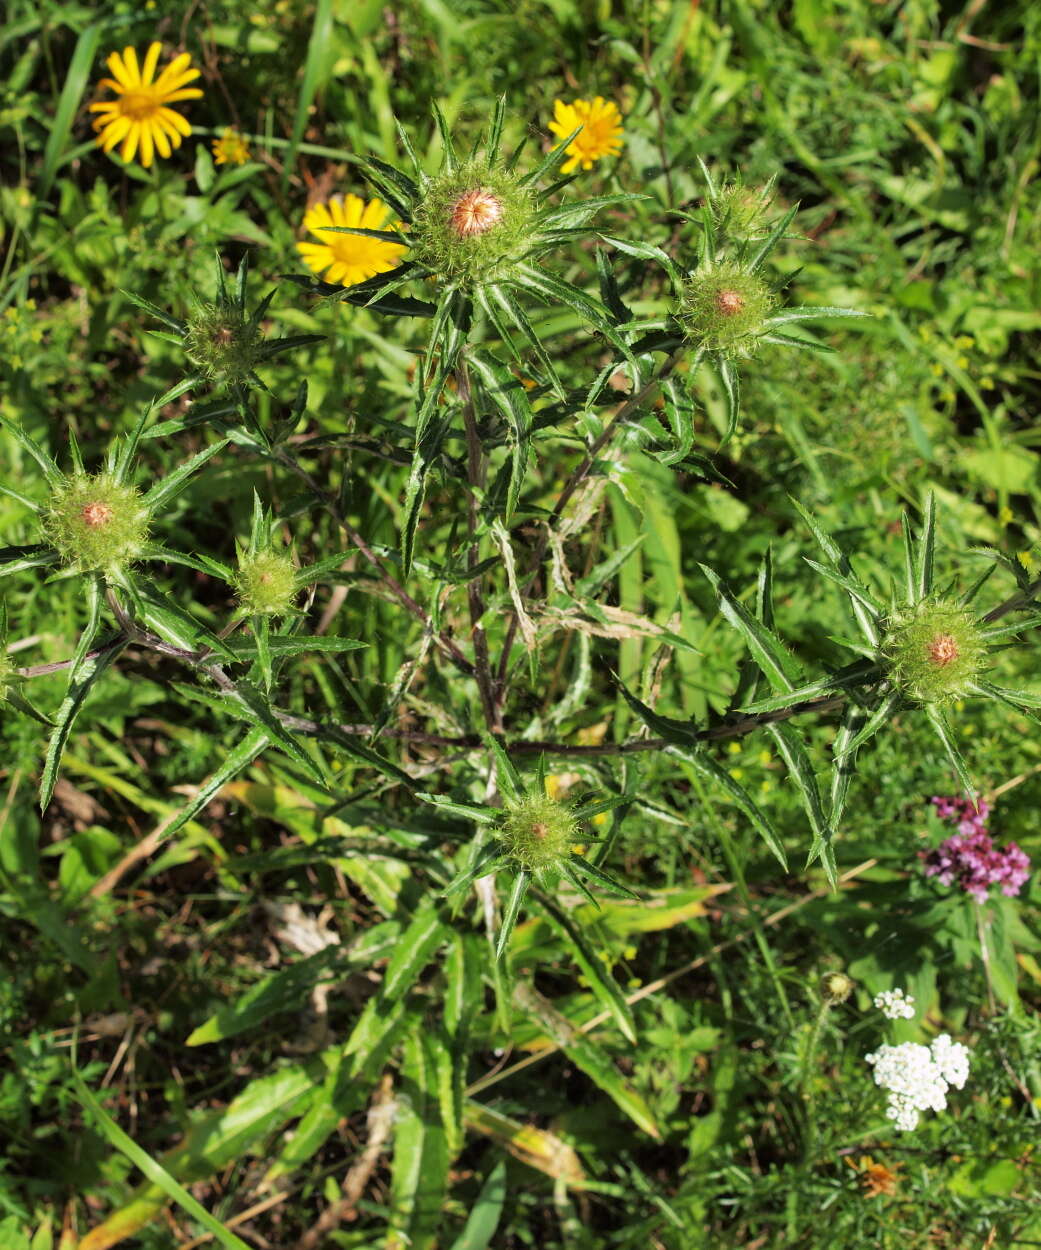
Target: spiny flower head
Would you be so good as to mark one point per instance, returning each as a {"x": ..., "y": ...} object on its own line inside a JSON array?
[
  {"x": 96, "y": 522},
  {"x": 266, "y": 582},
  {"x": 349, "y": 258},
  {"x": 538, "y": 832},
  {"x": 471, "y": 222},
  {"x": 222, "y": 342},
  {"x": 934, "y": 651},
  {"x": 601, "y": 133},
  {"x": 230, "y": 148},
  {"x": 724, "y": 308},
  {"x": 139, "y": 117}
]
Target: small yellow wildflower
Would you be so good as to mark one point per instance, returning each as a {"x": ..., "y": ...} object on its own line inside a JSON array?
[
  {"x": 348, "y": 258},
  {"x": 230, "y": 148},
  {"x": 601, "y": 133},
  {"x": 139, "y": 118}
]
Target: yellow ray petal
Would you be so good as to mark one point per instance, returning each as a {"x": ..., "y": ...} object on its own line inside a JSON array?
[
  {"x": 151, "y": 61},
  {"x": 119, "y": 70},
  {"x": 133, "y": 72},
  {"x": 130, "y": 146}
]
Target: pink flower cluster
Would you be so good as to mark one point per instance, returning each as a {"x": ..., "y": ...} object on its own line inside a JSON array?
[{"x": 970, "y": 857}]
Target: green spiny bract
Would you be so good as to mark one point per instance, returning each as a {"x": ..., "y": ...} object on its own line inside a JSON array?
[
  {"x": 934, "y": 651},
  {"x": 266, "y": 583},
  {"x": 222, "y": 343},
  {"x": 95, "y": 522},
  {"x": 739, "y": 211},
  {"x": 6, "y": 674},
  {"x": 472, "y": 223},
  {"x": 724, "y": 308},
  {"x": 538, "y": 832}
]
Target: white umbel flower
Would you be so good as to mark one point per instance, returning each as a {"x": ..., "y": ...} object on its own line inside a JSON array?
[
  {"x": 895, "y": 1005},
  {"x": 952, "y": 1058},
  {"x": 917, "y": 1077}
]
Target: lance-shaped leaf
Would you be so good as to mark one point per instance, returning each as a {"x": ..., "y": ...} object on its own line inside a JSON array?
[
  {"x": 81, "y": 680},
  {"x": 858, "y": 674},
  {"x": 680, "y": 732},
  {"x": 601, "y": 982},
  {"x": 552, "y": 161},
  {"x": 942, "y": 728},
  {"x": 809, "y": 313},
  {"x": 419, "y": 1169},
  {"x": 740, "y": 797},
  {"x": 794, "y": 754},
  {"x": 588, "y": 1056},
  {"x": 731, "y": 384},
  {"x": 925, "y": 551},
  {"x": 881, "y": 716},
  {"x": 772, "y": 239},
  {"x": 864, "y": 607},
  {"x": 167, "y": 487},
  {"x": 507, "y": 393},
  {"x": 769, "y": 652},
  {"x": 50, "y": 470},
  {"x": 469, "y": 811},
  {"x": 844, "y": 761},
  {"x": 511, "y": 911}
]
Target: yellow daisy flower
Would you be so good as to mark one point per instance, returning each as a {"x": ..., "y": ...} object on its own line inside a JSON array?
[
  {"x": 230, "y": 148},
  {"x": 348, "y": 258},
  {"x": 138, "y": 117},
  {"x": 601, "y": 134}
]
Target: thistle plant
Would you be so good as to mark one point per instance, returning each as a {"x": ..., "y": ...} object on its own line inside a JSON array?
[{"x": 467, "y": 572}]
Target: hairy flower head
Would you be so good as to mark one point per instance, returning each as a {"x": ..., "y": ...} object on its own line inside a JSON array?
[
  {"x": 231, "y": 148},
  {"x": 266, "y": 583},
  {"x": 139, "y": 117},
  {"x": 349, "y": 258},
  {"x": 95, "y": 522},
  {"x": 222, "y": 343},
  {"x": 934, "y": 651},
  {"x": 601, "y": 133},
  {"x": 471, "y": 223},
  {"x": 723, "y": 308},
  {"x": 538, "y": 832}
]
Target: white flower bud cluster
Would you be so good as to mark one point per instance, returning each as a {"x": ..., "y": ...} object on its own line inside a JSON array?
[
  {"x": 917, "y": 1078},
  {"x": 895, "y": 1005}
]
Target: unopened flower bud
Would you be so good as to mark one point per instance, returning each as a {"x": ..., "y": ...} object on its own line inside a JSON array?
[
  {"x": 96, "y": 522},
  {"x": 222, "y": 344},
  {"x": 724, "y": 308},
  {"x": 472, "y": 223},
  {"x": 266, "y": 583},
  {"x": 835, "y": 987},
  {"x": 538, "y": 832},
  {"x": 934, "y": 651}
]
